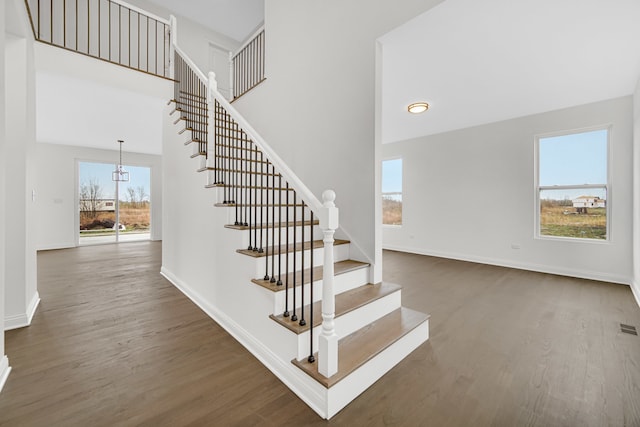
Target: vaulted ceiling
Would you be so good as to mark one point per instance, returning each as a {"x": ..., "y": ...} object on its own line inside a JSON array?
[
  {"x": 478, "y": 62},
  {"x": 474, "y": 61}
]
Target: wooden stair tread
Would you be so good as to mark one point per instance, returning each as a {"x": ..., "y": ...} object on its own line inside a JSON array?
[
  {"x": 271, "y": 225},
  {"x": 189, "y": 104},
  {"x": 363, "y": 345},
  {"x": 188, "y": 119},
  {"x": 345, "y": 303},
  {"x": 194, "y": 141},
  {"x": 206, "y": 168},
  {"x": 339, "y": 267},
  {"x": 183, "y": 111},
  {"x": 290, "y": 248}
]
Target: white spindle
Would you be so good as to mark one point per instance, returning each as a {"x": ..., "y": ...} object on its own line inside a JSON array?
[{"x": 328, "y": 340}]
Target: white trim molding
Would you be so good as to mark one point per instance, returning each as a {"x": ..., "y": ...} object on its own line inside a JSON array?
[
  {"x": 306, "y": 388},
  {"x": 23, "y": 319},
  {"x": 540, "y": 268},
  {"x": 5, "y": 369},
  {"x": 635, "y": 289}
]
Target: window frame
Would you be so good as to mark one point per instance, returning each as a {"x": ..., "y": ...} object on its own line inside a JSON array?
[
  {"x": 607, "y": 185},
  {"x": 401, "y": 192}
]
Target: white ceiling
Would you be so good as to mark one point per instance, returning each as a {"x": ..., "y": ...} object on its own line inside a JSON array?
[
  {"x": 474, "y": 62},
  {"x": 233, "y": 18},
  {"x": 479, "y": 62}
]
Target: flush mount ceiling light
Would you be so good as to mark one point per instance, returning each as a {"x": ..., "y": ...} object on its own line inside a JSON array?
[{"x": 418, "y": 107}]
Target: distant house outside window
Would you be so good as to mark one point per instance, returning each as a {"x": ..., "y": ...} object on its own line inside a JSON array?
[
  {"x": 572, "y": 185},
  {"x": 392, "y": 192}
]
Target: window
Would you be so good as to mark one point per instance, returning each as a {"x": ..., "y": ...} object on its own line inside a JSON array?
[
  {"x": 572, "y": 185},
  {"x": 392, "y": 192},
  {"x": 104, "y": 203}
]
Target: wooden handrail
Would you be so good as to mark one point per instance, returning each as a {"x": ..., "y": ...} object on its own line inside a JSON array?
[{"x": 254, "y": 180}]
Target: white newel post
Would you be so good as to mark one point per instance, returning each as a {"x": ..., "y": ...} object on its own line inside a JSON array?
[
  {"x": 231, "y": 88},
  {"x": 212, "y": 85},
  {"x": 173, "y": 28},
  {"x": 328, "y": 340}
]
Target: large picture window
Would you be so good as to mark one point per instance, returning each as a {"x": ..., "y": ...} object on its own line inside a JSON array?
[
  {"x": 392, "y": 192},
  {"x": 572, "y": 185}
]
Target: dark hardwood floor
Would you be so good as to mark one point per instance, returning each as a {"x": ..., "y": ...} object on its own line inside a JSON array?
[{"x": 114, "y": 344}]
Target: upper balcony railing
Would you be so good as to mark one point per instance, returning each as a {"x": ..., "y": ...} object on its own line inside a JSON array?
[
  {"x": 247, "y": 66},
  {"x": 110, "y": 30}
]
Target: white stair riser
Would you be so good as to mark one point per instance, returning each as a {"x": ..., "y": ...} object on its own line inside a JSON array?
[
  {"x": 352, "y": 321},
  {"x": 342, "y": 393},
  {"x": 340, "y": 253},
  {"x": 341, "y": 283}
]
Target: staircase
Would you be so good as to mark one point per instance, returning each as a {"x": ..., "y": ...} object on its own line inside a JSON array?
[
  {"x": 277, "y": 232},
  {"x": 271, "y": 272}
]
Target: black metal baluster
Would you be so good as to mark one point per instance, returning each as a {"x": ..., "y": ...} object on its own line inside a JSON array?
[
  {"x": 138, "y": 51},
  {"x": 88, "y": 27},
  {"x": 225, "y": 150},
  {"x": 302, "y": 321},
  {"x": 252, "y": 220},
  {"x": 129, "y": 43},
  {"x": 279, "y": 282},
  {"x": 295, "y": 201},
  {"x": 265, "y": 193},
  {"x": 254, "y": 180},
  {"x": 273, "y": 221},
  {"x": 261, "y": 249},
  {"x": 286, "y": 268},
  {"x": 247, "y": 144},
  {"x": 311, "y": 359},
  {"x": 64, "y": 23},
  {"x": 147, "y": 40},
  {"x": 235, "y": 188},
  {"x": 218, "y": 155}
]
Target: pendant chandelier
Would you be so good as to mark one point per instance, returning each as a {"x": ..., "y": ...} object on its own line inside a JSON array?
[{"x": 120, "y": 174}]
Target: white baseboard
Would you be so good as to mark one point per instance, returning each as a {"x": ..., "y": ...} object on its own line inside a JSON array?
[
  {"x": 5, "y": 369},
  {"x": 23, "y": 319},
  {"x": 582, "y": 274},
  {"x": 635, "y": 289},
  {"x": 307, "y": 389},
  {"x": 54, "y": 246}
]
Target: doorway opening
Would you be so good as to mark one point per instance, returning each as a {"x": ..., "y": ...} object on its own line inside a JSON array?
[{"x": 113, "y": 211}]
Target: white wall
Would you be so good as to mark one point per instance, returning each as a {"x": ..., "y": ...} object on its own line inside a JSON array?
[
  {"x": 635, "y": 285},
  {"x": 4, "y": 361},
  {"x": 57, "y": 190},
  {"x": 317, "y": 105},
  {"x": 469, "y": 194},
  {"x": 21, "y": 295}
]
